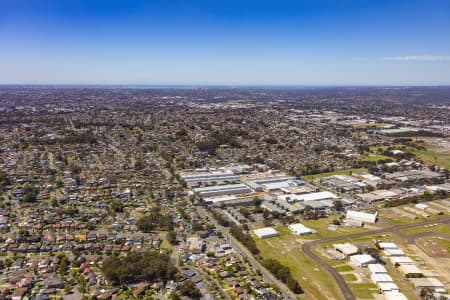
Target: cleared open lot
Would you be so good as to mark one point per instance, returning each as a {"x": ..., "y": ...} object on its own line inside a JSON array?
[
  {"x": 338, "y": 172},
  {"x": 321, "y": 227},
  {"x": 286, "y": 248},
  {"x": 435, "y": 246}
]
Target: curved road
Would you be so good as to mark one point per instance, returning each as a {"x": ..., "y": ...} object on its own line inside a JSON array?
[{"x": 346, "y": 291}]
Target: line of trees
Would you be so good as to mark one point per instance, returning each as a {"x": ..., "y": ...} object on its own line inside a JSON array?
[
  {"x": 223, "y": 221},
  {"x": 426, "y": 196},
  {"x": 245, "y": 239},
  {"x": 283, "y": 274}
]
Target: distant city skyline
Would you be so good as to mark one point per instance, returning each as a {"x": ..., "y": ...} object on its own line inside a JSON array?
[{"x": 279, "y": 43}]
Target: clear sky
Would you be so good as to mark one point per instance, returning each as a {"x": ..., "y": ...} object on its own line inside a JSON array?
[{"x": 314, "y": 42}]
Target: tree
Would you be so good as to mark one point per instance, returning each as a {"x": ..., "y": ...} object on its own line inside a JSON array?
[
  {"x": 136, "y": 267},
  {"x": 425, "y": 292},
  {"x": 257, "y": 201},
  {"x": 155, "y": 220},
  {"x": 174, "y": 296},
  {"x": 30, "y": 193},
  {"x": 220, "y": 219},
  {"x": 116, "y": 206},
  {"x": 188, "y": 289},
  {"x": 338, "y": 205},
  {"x": 374, "y": 252},
  {"x": 245, "y": 239},
  {"x": 59, "y": 183},
  {"x": 283, "y": 274},
  {"x": 4, "y": 181},
  {"x": 62, "y": 268},
  {"x": 172, "y": 237}
]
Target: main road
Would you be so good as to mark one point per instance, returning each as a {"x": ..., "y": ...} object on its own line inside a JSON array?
[{"x": 346, "y": 291}]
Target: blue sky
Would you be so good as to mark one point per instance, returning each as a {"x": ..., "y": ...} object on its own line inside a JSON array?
[{"x": 315, "y": 42}]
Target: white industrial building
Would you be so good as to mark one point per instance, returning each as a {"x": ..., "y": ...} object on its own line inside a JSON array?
[
  {"x": 361, "y": 216},
  {"x": 196, "y": 178},
  {"x": 400, "y": 260},
  {"x": 362, "y": 260},
  {"x": 275, "y": 186},
  {"x": 376, "y": 196},
  {"x": 428, "y": 282},
  {"x": 317, "y": 196},
  {"x": 377, "y": 269},
  {"x": 394, "y": 295},
  {"x": 299, "y": 229},
  {"x": 388, "y": 287},
  {"x": 220, "y": 190},
  {"x": 257, "y": 183},
  {"x": 388, "y": 245},
  {"x": 394, "y": 252},
  {"x": 381, "y": 278},
  {"x": 240, "y": 169},
  {"x": 265, "y": 233},
  {"x": 227, "y": 200},
  {"x": 410, "y": 270},
  {"x": 368, "y": 177},
  {"x": 421, "y": 206},
  {"x": 346, "y": 248}
]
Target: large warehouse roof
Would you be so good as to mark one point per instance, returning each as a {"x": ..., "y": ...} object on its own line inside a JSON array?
[
  {"x": 381, "y": 278},
  {"x": 388, "y": 245},
  {"x": 265, "y": 232},
  {"x": 394, "y": 295},
  {"x": 346, "y": 248},
  {"x": 299, "y": 229},
  {"x": 220, "y": 187},
  {"x": 377, "y": 269},
  {"x": 362, "y": 259},
  {"x": 361, "y": 216},
  {"x": 401, "y": 260},
  {"x": 310, "y": 196}
]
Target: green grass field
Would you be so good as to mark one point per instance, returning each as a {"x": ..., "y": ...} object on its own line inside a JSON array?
[
  {"x": 285, "y": 233},
  {"x": 370, "y": 239},
  {"x": 433, "y": 155},
  {"x": 440, "y": 228},
  {"x": 399, "y": 220},
  {"x": 349, "y": 277},
  {"x": 315, "y": 281},
  {"x": 375, "y": 149},
  {"x": 428, "y": 244},
  {"x": 396, "y": 218},
  {"x": 375, "y": 157},
  {"x": 363, "y": 290},
  {"x": 321, "y": 226},
  {"x": 345, "y": 268}
]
